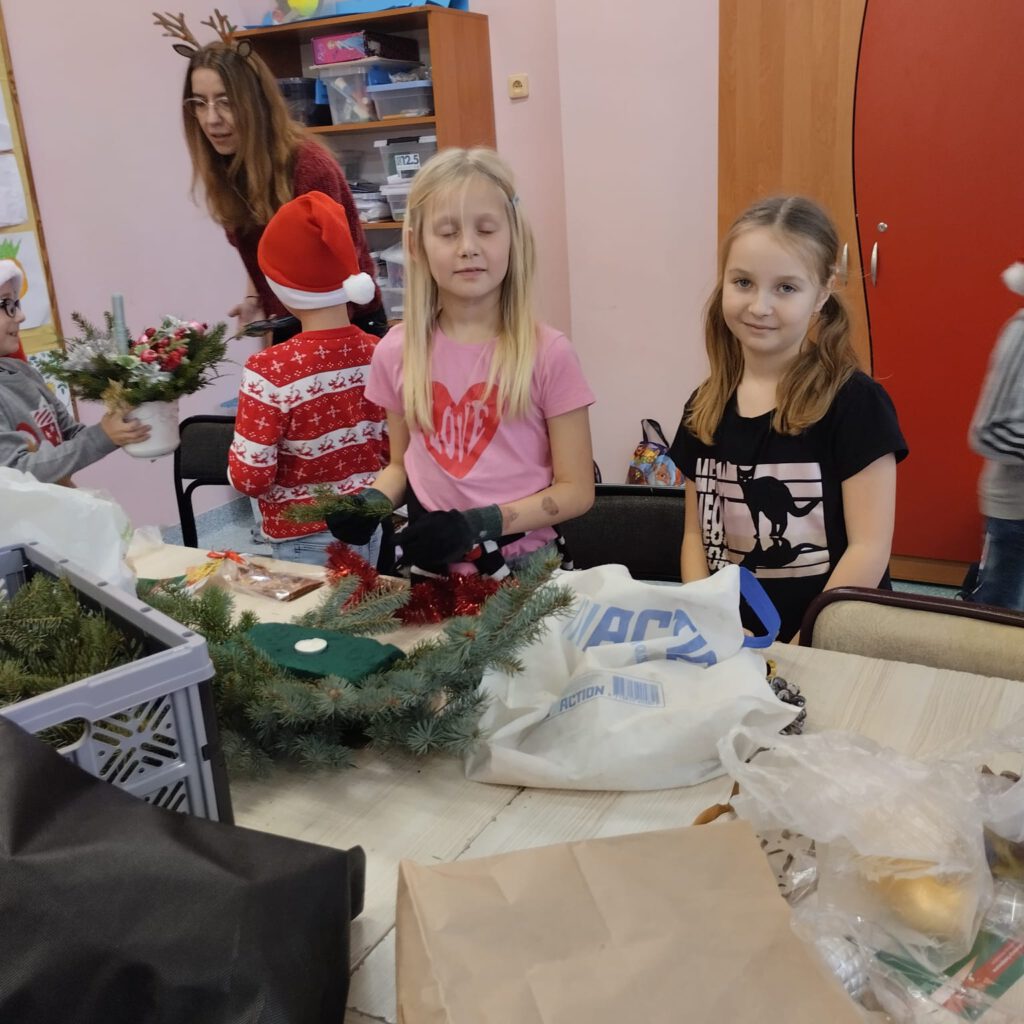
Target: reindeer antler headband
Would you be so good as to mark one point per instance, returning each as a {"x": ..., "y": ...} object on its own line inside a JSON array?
[{"x": 175, "y": 27}]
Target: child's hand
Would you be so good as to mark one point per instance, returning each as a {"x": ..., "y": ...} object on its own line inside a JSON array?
[
  {"x": 123, "y": 431},
  {"x": 358, "y": 526},
  {"x": 436, "y": 538}
]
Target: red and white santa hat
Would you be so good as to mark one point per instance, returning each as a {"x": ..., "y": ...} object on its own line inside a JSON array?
[
  {"x": 307, "y": 256},
  {"x": 1013, "y": 277},
  {"x": 10, "y": 271}
]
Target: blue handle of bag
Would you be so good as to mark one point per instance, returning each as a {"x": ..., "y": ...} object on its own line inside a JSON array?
[{"x": 761, "y": 605}]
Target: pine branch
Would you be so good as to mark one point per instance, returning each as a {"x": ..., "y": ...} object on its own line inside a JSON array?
[{"x": 325, "y": 501}]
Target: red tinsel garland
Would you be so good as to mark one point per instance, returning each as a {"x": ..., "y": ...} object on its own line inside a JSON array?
[
  {"x": 439, "y": 599},
  {"x": 343, "y": 562},
  {"x": 431, "y": 600}
]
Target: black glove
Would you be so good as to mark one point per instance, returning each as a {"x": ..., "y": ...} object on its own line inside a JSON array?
[
  {"x": 357, "y": 526},
  {"x": 439, "y": 538}
]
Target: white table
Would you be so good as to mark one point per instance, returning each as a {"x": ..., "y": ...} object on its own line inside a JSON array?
[{"x": 396, "y": 806}]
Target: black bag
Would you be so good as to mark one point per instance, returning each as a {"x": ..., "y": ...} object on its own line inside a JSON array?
[{"x": 118, "y": 912}]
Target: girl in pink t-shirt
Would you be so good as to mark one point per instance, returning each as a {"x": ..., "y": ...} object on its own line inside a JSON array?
[{"x": 487, "y": 409}]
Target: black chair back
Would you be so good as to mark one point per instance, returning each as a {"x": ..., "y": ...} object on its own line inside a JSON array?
[
  {"x": 202, "y": 458},
  {"x": 634, "y": 525}
]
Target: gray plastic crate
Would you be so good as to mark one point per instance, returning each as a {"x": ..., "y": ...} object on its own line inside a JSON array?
[{"x": 151, "y": 726}]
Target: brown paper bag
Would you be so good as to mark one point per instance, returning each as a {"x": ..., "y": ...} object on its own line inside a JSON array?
[{"x": 660, "y": 926}]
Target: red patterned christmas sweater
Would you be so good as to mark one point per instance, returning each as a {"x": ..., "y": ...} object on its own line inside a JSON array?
[{"x": 303, "y": 421}]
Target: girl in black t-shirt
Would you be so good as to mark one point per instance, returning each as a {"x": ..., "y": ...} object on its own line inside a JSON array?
[{"x": 788, "y": 450}]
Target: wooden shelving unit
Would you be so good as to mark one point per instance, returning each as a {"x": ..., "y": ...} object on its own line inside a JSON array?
[
  {"x": 457, "y": 46},
  {"x": 390, "y": 125}
]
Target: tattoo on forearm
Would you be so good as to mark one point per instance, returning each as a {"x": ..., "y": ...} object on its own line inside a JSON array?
[
  {"x": 550, "y": 506},
  {"x": 508, "y": 516}
]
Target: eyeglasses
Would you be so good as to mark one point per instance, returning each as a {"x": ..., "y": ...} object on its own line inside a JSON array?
[
  {"x": 200, "y": 108},
  {"x": 11, "y": 307}
]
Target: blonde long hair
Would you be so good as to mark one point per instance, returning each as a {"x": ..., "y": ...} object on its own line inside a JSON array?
[
  {"x": 826, "y": 361},
  {"x": 512, "y": 366},
  {"x": 246, "y": 189}
]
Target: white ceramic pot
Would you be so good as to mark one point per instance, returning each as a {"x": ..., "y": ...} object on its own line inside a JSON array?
[{"x": 162, "y": 418}]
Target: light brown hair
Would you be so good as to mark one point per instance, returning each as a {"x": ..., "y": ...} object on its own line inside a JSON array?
[
  {"x": 244, "y": 190},
  {"x": 826, "y": 361}
]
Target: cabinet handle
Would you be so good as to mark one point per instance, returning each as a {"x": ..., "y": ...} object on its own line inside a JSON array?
[
  {"x": 874, "y": 264},
  {"x": 844, "y": 265}
]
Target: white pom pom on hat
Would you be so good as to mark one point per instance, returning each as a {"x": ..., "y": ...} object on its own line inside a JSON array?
[
  {"x": 10, "y": 271},
  {"x": 307, "y": 256},
  {"x": 1013, "y": 277}
]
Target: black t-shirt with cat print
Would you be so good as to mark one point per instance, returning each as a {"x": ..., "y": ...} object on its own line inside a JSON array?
[{"x": 774, "y": 503}]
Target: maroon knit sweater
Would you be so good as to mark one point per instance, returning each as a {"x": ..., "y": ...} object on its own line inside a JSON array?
[{"x": 315, "y": 171}]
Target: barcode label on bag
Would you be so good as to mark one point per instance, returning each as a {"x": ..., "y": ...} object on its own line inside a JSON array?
[
  {"x": 636, "y": 691},
  {"x": 624, "y": 689}
]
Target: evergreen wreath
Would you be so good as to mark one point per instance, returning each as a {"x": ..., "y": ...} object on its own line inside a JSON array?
[{"x": 429, "y": 700}]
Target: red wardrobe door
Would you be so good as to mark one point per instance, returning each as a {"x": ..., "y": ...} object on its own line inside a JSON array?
[{"x": 938, "y": 160}]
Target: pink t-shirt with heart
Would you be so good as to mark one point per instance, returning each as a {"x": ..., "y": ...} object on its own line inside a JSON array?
[{"x": 476, "y": 457}]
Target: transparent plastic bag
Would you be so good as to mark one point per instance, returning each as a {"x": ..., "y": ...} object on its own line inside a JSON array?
[
  {"x": 898, "y": 842},
  {"x": 883, "y": 976}
]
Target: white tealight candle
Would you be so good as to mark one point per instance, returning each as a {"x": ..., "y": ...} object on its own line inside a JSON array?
[
  {"x": 120, "y": 329},
  {"x": 314, "y": 645}
]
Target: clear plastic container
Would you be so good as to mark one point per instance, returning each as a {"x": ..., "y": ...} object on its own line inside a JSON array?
[
  {"x": 347, "y": 86},
  {"x": 371, "y": 206},
  {"x": 394, "y": 259},
  {"x": 300, "y": 95},
  {"x": 397, "y": 195},
  {"x": 393, "y": 299},
  {"x": 403, "y": 99},
  {"x": 402, "y": 158}
]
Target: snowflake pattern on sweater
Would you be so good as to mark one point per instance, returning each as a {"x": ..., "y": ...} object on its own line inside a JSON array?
[{"x": 303, "y": 422}]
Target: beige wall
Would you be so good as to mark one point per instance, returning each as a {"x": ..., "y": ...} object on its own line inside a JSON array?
[{"x": 639, "y": 115}]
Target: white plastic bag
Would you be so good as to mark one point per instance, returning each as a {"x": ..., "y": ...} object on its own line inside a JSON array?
[
  {"x": 634, "y": 690},
  {"x": 89, "y": 529},
  {"x": 899, "y": 841}
]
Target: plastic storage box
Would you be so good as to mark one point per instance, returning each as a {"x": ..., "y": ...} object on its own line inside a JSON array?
[
  {"x": 402, "y": 158},
  {"x": 393, "y": 299},
  {"x": 300, "y": 95},
  {"x": 347, "y": 46},
  {"x": 347, "y": 85},
  {"x": 402, "y": 99},
  {"x": 397, "y": 195},
  {"x": 394, "y": 259},
  {"x": 371, "y": 206},
  {"x": 149, "y": 727}
]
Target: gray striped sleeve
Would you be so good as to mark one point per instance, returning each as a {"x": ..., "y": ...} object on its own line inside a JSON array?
[{"x": 997, "y": 428}]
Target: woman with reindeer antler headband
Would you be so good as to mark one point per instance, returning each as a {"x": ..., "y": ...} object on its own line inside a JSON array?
[{"x": 249, "y": 158}]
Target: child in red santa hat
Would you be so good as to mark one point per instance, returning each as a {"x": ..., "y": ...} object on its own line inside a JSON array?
[{"x": 303, "y": 420}]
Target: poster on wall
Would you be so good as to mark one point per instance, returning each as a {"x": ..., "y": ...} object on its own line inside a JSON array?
[
  {"x": 22, "y": 247},
  {"x": 13, "y": 206}
]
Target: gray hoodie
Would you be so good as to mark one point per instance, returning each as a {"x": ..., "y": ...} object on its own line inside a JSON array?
[{"x": 37, "y": 434}]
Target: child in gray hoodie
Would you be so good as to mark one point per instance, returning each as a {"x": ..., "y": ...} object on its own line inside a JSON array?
[{"x": 37, "y": 434}]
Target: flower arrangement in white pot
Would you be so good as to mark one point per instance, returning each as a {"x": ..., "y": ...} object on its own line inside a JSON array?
[{"x": 143, "y": 378}]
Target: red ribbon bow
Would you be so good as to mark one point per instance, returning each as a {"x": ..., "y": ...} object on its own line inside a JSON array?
[{"x": 234, "y": 556}]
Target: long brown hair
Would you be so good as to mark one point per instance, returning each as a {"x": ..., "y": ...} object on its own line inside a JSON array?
[
  {"x": 245, "y": 189},
  {"x": 826, "y": 361}
]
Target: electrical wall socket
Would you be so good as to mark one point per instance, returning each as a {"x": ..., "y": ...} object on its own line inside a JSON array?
[{"x": 519, "y": 86}]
